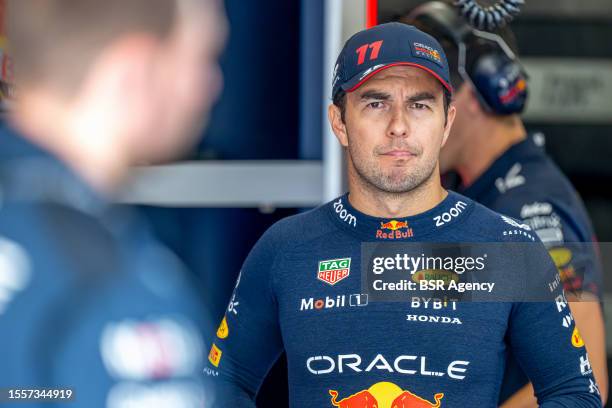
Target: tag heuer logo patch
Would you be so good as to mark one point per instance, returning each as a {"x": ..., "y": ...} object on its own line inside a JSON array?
[{"x": 334, "y": 270}]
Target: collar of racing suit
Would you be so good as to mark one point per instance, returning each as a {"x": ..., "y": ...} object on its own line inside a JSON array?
[{"x": 452, "y": 210}]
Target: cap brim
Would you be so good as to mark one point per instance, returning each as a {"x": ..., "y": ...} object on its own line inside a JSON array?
[{"x": 355, "y": 82}]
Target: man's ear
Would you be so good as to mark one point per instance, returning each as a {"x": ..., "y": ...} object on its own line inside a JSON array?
[
  {"x": 123, "y": 72},
  {"x": 120, "y": 73},
  {"x": 338, "y": 126},
  {"x": 450, "y": 118}
]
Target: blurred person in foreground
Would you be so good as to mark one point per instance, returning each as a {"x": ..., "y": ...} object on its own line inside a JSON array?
[
  {"x": 506, "y": 168},
  {"x": 304, "y": 287},
  {"x": 90, "y": 300}
]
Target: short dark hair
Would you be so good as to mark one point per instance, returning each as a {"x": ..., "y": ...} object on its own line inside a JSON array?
[
  {"x": 340, "y": 101},
  {"x": 55, "y": 41}
]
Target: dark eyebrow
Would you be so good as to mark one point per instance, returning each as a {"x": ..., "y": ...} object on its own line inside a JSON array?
[
  {"x": 422, "y": 96},
  {"x": 383, "y": 96},
  {"x": 375, "y": 95}
]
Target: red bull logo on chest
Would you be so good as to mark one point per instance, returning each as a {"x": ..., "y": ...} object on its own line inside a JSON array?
[
  {"x": 384, "y": 395},
  {"x": 394, "y": 230}
]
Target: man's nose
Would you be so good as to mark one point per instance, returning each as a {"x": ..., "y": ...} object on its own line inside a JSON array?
[{"x": 399, "y": 125}]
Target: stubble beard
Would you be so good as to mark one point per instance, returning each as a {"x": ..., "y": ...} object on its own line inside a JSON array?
[{"x": 396, "y": 180}]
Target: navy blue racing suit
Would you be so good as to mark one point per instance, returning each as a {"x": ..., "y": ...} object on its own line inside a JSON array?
[{"x": 300, "y": 290}]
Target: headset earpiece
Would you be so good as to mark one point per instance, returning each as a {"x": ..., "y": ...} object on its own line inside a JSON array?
[
  {"x": 500, "y": 82},
  {"x": 498, "y": 77}
]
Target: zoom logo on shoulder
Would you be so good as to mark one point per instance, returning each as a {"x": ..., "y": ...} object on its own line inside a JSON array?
[
  {"x": 343, "y": 214},
  {"x": 451, "y": 214}
]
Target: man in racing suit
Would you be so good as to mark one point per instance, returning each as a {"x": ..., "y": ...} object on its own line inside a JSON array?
[{"x": 300, "y": 290}]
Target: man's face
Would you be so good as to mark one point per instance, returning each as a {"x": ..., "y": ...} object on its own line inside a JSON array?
[
  {"x": 395, "y": 127},
  {"x": 189, "y": 80}
]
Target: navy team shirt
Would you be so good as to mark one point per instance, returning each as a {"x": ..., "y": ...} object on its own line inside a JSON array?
[
  {"x": 89, "y": 299},
  {"x": 524, "y": 183},
  {"x": 345, "y": 351}
]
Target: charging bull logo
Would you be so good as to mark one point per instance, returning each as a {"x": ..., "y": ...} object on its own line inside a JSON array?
[
  {"x": 384, "y": 395},
  {"x": 393, "y": 225}
]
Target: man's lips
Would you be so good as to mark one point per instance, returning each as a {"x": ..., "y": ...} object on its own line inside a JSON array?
[{"x": 399, "y": 153}]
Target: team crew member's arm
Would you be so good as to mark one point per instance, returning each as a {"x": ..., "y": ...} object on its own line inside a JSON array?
[
  {"x": 248, "y": 341},
  {"x": 547, "y": 346},
  {"x": 580, "y": 272}
]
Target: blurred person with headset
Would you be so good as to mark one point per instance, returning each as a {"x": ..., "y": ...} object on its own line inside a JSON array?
[
  {"x": 300, "y": 289},
  {"x": 89, "y": 299},
  {"x": 505, "y": 168}
]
